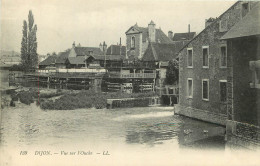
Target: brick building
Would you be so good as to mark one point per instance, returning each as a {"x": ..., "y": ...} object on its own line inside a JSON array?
[{"x": 205, "y": 67}]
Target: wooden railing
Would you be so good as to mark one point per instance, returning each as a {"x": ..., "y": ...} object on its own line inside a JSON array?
[{"x": 133, "y": 75}]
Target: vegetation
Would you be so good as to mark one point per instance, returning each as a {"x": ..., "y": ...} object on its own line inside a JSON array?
[
  {"x": 172, "y": 72},
  {"x": 16, "y": 68},
  {"x": 66, "y": 100},
  {"x": 88, "y": 99},
  {"x": 29, "y": 58}
]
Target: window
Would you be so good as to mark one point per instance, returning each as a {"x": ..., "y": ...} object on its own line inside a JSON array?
[
  {"x": 223, "y": 56},
  {"x": 245, "y": 9},
  {"x": 189, "y": 57},
  {"x": 255, "y": 68},
  {"x": 223, "y": 90},
  {"x": 90, "y": 52},
  {"x": 133, "y": 42},
  {"x": 205, "y": 89},
  {"x": 223, "y": 25},
  {"x": 205, "y": 52},
  {"x": 190, "y": 88}
]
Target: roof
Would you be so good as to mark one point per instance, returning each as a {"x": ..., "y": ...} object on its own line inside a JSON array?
[
  {"x": 82, "y": 51},
  {"x": 248, "y": 26},
  {"x": 160, "y": 52},
  {"x": 159, "y": 34},
  {"x": 116, "y": 50},
  {"x": 209, "y": 26},
  {"x": 108, "y": 57},
  {"x": 76, "y": 60},
  {"x": 62, "y": 57},
  {"x": 183, "y": 36},
  {"x": 49, "y": 60}
]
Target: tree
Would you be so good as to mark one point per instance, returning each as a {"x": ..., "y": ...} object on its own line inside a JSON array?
[
  {"x": 29, "y": 54},
  {"x": 172, "y": 72}
]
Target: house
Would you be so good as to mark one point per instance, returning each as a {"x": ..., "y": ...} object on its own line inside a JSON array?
[
  {"x": 160, "y": 54},
  {"x": 78, "y": 55},
  {"x": 205, "y": 67},
  {"x": 61, "y": 59},
  {"x": 182, "y": 37},
  {"x": 138, "y": 38},
  {"x": 243, "y": 84},
  {"x": 116, "y": 50},
  {"x": 49, "y": 62}
]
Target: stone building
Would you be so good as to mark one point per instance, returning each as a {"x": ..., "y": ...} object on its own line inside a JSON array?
[
  {"x": 138, "y": 38},
  {"x": 243, "y": 41},
  {"x": 205, "y": 67}
]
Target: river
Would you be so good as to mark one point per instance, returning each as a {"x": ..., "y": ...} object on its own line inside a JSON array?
[{"x": 148, "y": 130}]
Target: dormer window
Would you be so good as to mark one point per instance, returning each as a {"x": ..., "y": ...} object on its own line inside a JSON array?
[
  {"x": 90, "y": 52},
  {"x": 133, "y": 42},
  {"x": 244, "y": 9}
]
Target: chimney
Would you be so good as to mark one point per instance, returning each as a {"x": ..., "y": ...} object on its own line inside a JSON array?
[
  {"x": 189, "y": 32},
  {"x": 209, "y": 21},
  {"x": 73, "y": 45},
  {"x": 120, "y": 42},
  {"x": 101, "y": 47},
  {"x": 79, "y": 45},
  {"x": 104, "y": 47},
  {"x": 151, "y": 31},
  {"x": 170, "y": 35}
]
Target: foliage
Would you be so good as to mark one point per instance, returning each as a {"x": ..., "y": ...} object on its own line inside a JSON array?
[
  {"x": 16, "y": 67},
  {"x": 26, "y": 97},
  {"x": 89, "y": 99},
  {"x": 29, "y": 57},
  {"x": 172, "y": 72}
]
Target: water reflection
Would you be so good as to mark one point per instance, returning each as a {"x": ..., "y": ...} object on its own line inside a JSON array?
[{"x": 150, "y": 126}]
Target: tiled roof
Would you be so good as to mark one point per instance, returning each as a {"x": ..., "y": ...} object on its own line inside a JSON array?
[
  {"x": 62, "y": 57},
  {"x": 49, "y": 60},
  {"x": 183, "y": 36},
  {"x": 115, "y": 50},
  {"x": 159, "y": 35},
  {"x": 248, "y": 26},
  {"x": 79, "y": 60},
  {"x": 82, "y": 51},
  {"x": 160, "y": 52}
]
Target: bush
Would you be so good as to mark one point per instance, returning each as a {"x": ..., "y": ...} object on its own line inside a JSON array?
[
  {"x": 26, "y": 97},
  {"x": 89, "y": 99}
]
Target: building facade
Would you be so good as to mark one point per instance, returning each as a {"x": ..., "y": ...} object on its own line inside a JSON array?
[
  {"x": 138, "y": 38},
  {"x": 205, "y": 68}
]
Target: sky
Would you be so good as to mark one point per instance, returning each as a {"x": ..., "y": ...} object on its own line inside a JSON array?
[{"x": 89, "y": 22}]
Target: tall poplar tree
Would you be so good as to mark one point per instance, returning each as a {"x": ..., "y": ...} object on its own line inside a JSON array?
[{"x": 29, "y": 54}]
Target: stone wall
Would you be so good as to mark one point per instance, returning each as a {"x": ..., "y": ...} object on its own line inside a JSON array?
[
  {"x": 210, "y": 37},
  {"x": 205, "y": 115},
  {"x": 242, "y": 135}
]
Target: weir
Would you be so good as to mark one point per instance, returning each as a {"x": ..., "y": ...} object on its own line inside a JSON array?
[{"x": 133, "y": 102}]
